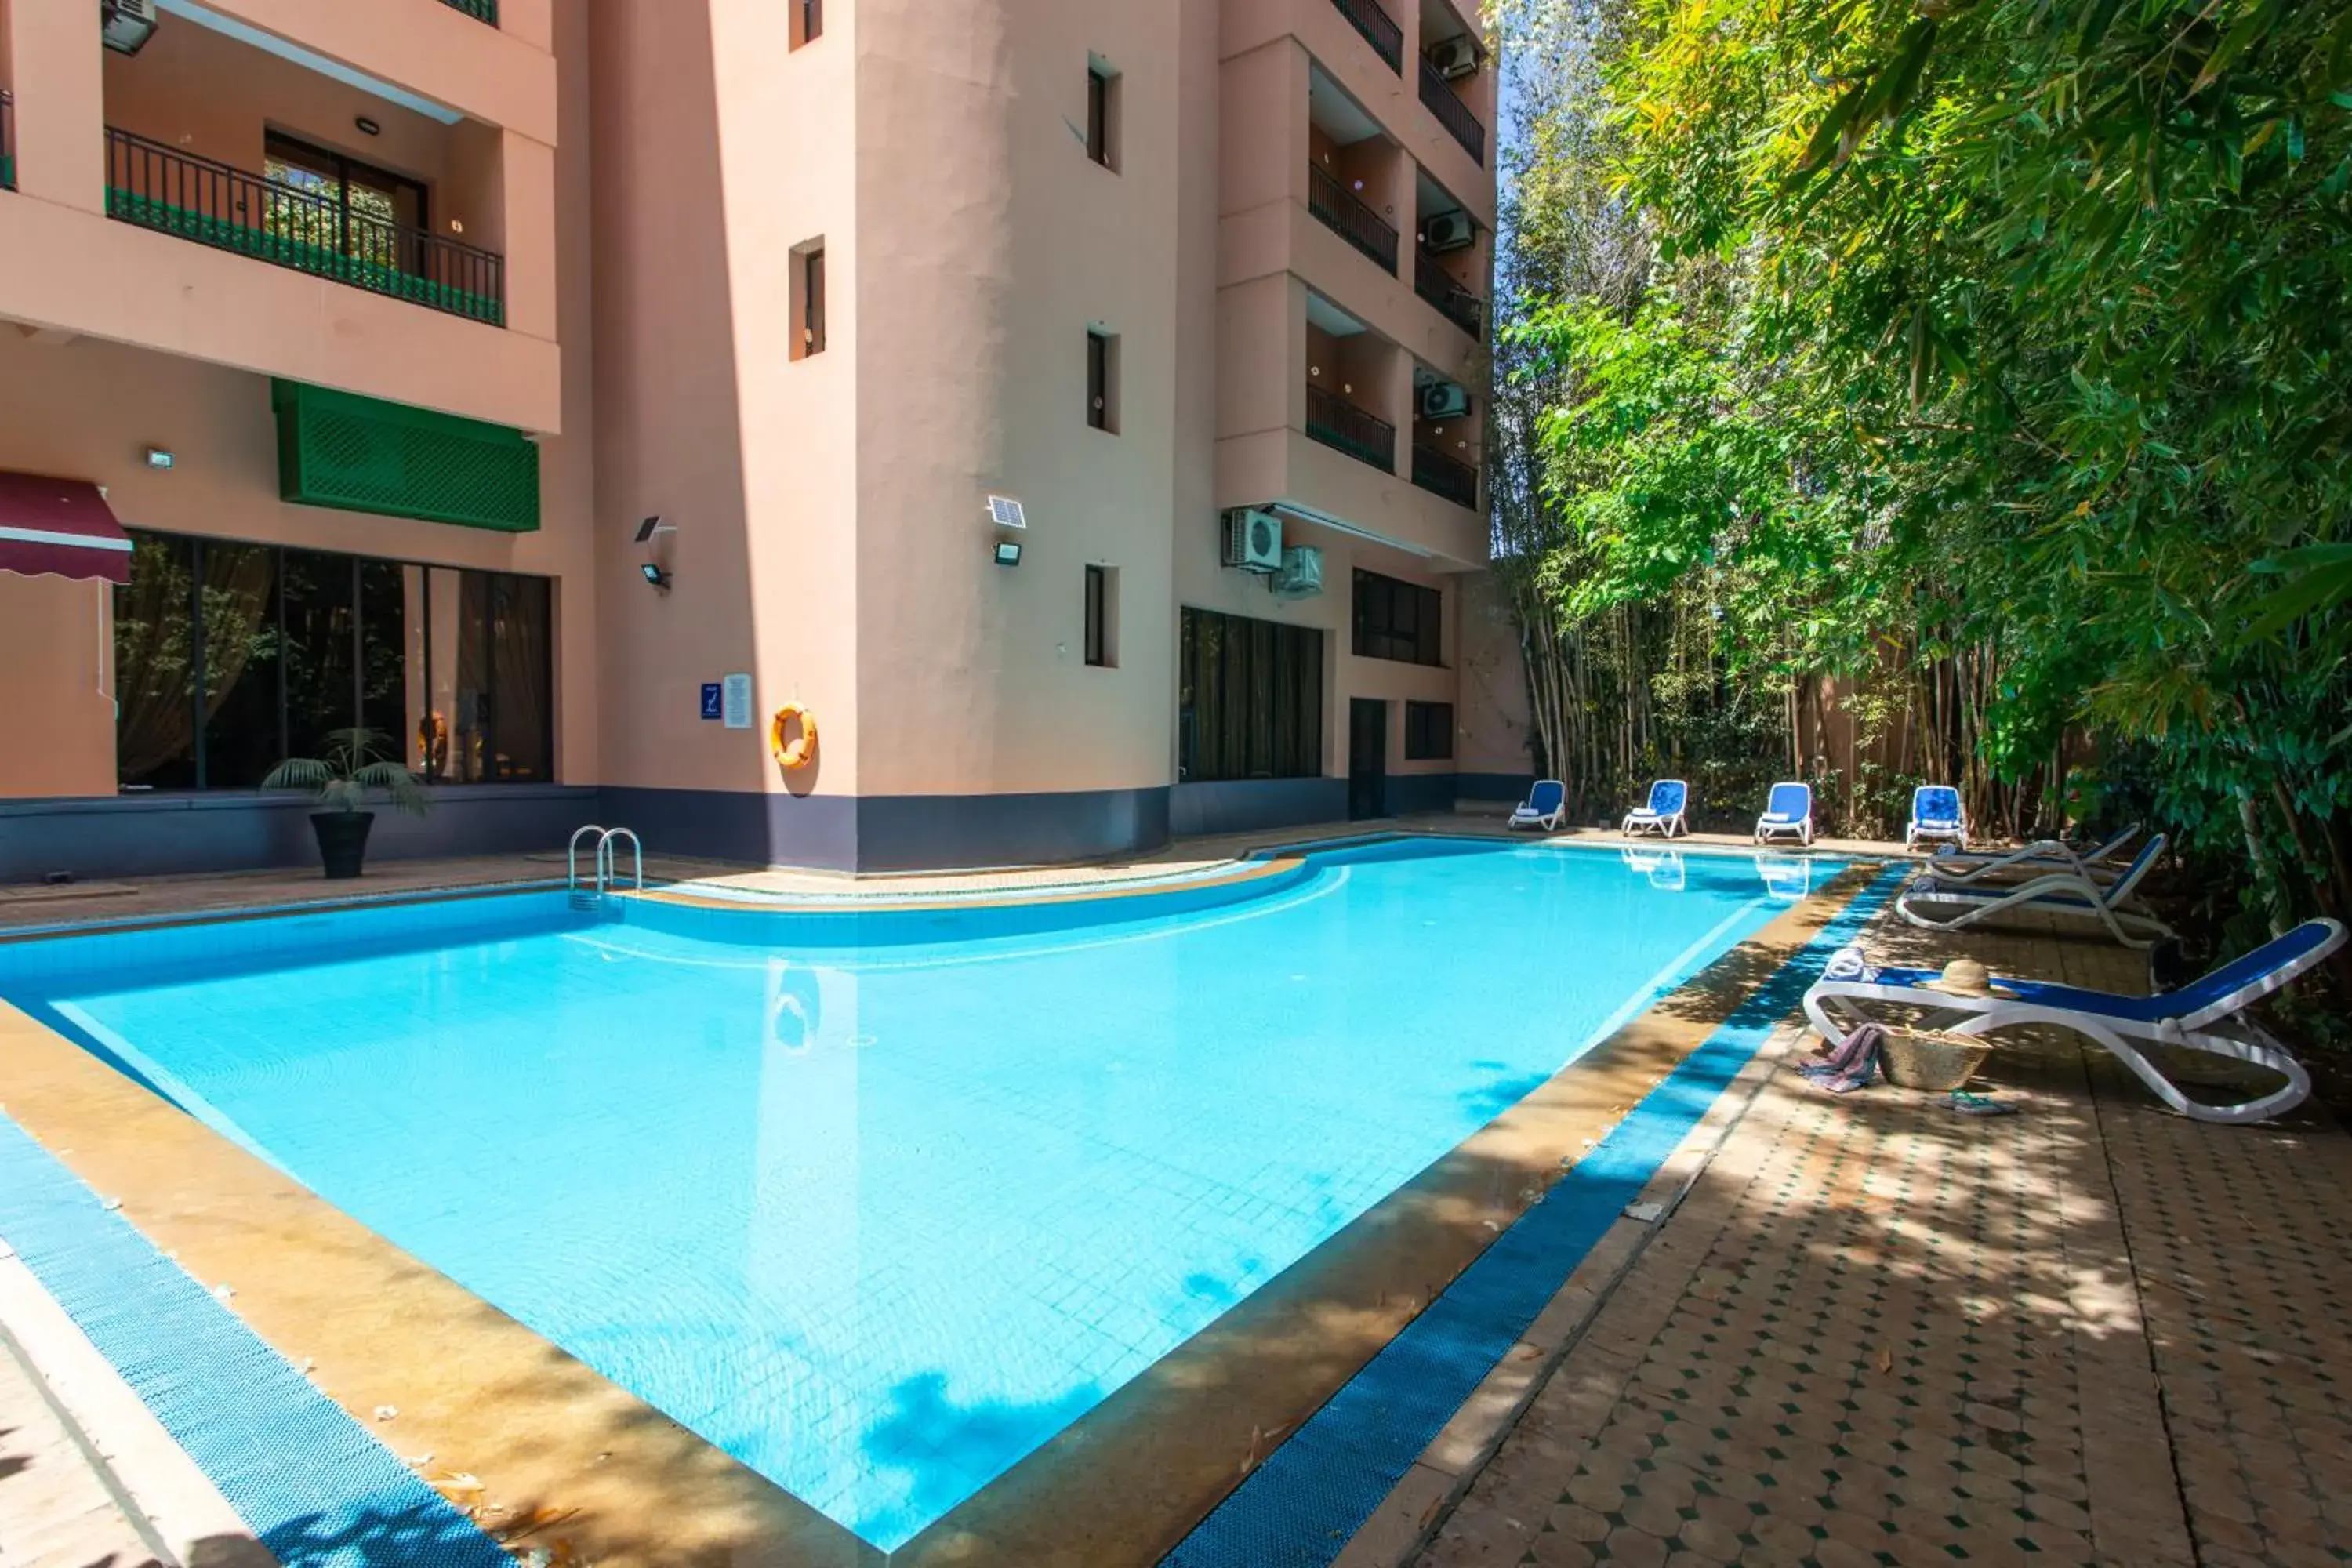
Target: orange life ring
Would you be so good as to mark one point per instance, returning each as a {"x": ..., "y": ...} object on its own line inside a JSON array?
[{"x": 800, "y": 754}]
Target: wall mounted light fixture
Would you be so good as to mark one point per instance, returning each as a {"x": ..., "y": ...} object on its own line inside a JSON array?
[{"x": 650, "y": 533}]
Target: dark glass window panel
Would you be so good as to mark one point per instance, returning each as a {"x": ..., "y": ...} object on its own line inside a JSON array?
[
  {"x": 244, "y": 731},
  {"x": 1097, "y": 651},
  {"x": 473, "y": 747},
  {"x": 1397, "y": 620},
  {"x": 1098, "y": 380},
  {"x": 813, "y": 302},
  {"x": 1250, "y": 699},
  {"x": 155, "y": 666},
  {"x": 1098, "y": 118},
  {"x": 520, "y": 683},
  {"x": 385, "y": 703},
  {"x": 317, "y": 593},
  {"x": 1428, "y": 731}
]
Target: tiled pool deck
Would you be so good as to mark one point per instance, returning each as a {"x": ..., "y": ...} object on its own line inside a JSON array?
[{"x": 2102, "y": 1247}]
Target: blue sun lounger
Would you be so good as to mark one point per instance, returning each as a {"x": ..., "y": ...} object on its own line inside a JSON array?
[
  {"x": 1936, "y": 817},
  {"x": 1788, "y": 813},
  {"x": 1664, "y": 815},
  {"x": 1545, "y": 807},
  {"x": 2210, "y": 1016},
  {"x": 2073, "y": 895}
]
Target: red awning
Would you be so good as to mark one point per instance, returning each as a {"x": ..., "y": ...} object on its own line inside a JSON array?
[{"x": 59, "y": 528}]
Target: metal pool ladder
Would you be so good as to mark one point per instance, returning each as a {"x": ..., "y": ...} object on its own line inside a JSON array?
[{"x": 606, "y": 866}]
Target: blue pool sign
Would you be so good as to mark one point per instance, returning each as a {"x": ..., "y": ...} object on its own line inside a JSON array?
[{"x": 713, "y": 701}]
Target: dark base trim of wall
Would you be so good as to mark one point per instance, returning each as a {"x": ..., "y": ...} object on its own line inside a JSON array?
[
  {"x": 167, "y": 835},
  {"x": 174, "y": 834},
  {"x": 1248, "y": 806}
]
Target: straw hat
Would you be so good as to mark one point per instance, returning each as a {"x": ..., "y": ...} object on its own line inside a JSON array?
[{"x": 1963, "y": 977}]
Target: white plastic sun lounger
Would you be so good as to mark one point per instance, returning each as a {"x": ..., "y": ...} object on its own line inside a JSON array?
[
  {"x": 1664, "y": 815},
  {"x": 2210, "y": 1016},
  {"x": 2071, "y": 894},
  {"x": 2043, "y": 855},
  {"x": 1788, "y": 813},
  {"x": 1545, "y": 807}
]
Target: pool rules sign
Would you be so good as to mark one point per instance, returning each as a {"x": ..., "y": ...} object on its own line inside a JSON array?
[{"x": 728, "y": 701}]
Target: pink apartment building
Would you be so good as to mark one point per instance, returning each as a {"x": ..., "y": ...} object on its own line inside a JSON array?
[{"x": 1075, "y": 407}]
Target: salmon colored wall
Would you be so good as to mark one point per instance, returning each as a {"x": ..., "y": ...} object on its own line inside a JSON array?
[
  {"x": 55, "y": 715},
  {"x": 216, "y": 97},
  {"x": 65, "y": 267},
  {"x": 1493, "y": 714},
  {"x": 503, "y": 76},
  {"x": 988, "y": 244},
  {"x": 87, "y": 410},
  {"x": 701, "y": 416}
]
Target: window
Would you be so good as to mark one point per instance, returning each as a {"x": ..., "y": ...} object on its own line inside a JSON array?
[
  {"x": 1249, "y": 699},
  {"x": 1396, "y": 620},
  {"x": 1102, "y": 617},
  {"x": 1102, "y": 114},
  {"x": 341, "y": 204},
  {"x": 1428, "y": 731},
  {"x": 230, "y": 658},
  {"x": 1102, "y": 379},
  {"x": 808, "y": 299},
  {"x": 808, "y": 21}
]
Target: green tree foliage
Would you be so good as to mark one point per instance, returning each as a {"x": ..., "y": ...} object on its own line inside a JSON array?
[{"x": 2005, "y": 344}]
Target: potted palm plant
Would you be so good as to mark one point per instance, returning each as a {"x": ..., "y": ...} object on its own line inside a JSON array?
[{"x": 355, "y": 762}]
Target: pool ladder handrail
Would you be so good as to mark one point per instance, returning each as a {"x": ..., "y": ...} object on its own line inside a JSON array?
[{"x": 605, "y": 863}]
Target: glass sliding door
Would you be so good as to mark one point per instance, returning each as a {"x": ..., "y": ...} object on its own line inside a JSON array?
[{"x": 230, "y": 658}]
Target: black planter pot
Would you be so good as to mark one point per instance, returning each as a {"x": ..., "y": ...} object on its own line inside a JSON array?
[{"x": 342, "y": 840}]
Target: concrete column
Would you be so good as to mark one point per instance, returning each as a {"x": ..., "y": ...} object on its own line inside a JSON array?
[
  {"x": 56, "y": 72},
  {"x": 527, "y": 202}
]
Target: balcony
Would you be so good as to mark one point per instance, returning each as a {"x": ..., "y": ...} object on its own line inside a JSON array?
[
  {"x": 1345, "y": 214},
  {"x": 479, "y": 10},
  {"x": 1456, "y": 303},
  {"x": 1380, "y": 29},
  {"x": 1345, "y": 427},
  {"x": 1440, "y": 475},
  {"x": 7, "y": 140},
  {"x": 161, "y": 187},
  {"x": 1437, "y": 96}
]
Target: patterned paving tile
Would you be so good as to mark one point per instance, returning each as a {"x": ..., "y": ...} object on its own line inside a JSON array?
[{"x": 1881, "y": 1333}]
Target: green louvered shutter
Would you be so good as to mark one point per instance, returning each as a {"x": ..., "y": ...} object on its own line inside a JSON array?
[{"x": 358, "y": 454}]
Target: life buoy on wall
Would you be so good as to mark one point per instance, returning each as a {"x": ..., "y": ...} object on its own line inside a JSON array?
[{"x": 801, "y": 753}]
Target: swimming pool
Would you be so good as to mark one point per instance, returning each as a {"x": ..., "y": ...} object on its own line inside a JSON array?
[{"x": 880, "y": 1203}]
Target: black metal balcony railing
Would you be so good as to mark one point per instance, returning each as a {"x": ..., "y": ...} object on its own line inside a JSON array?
[
  {"x": 479, "y": 10},
  {"x": 1336, "y": 422},
  {"x": 1457, "y": 304},
  {"x": 8, "y": 140},
  {"x": 1344, "y": 212},
  {"x": 1440, "y": 475},
  {"x": 1380, "y": 29},
  {"x": 1437, "y": 94},
  {"x": 160, "y": 187}
]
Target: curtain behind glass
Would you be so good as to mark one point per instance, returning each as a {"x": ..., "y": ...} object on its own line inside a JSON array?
[
  {"x": 519, "y": 677},
  {"x": 243, "y": 739},
  {"x": 154, "y": 667},
  {"x": 321, "y": 692}
]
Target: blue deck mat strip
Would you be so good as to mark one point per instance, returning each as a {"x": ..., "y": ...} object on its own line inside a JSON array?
[
  {"x": 312, "y": 1484},
  {"x": 1315, "y": 1491}
]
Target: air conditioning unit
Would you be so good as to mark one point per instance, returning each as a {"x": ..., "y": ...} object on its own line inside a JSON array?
[
  {"x": 1455, "y": 58},
  {"x": 1301, "y": 576},
  {"x": 1449, "y": 231},
  {"x": 1253, "y": 541},
  {"x": 1444, "y": 400},
  {"x": 126, "y": 25}
]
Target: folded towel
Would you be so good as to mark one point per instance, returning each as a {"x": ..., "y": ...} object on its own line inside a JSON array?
[{"x": 1849, "y": 963}]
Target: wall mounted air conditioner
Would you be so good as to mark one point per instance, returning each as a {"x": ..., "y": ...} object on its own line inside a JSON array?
[
  {"x": 1444, "y": 400},
  {"x": 1301, "y": 576},
  {"x": 1455, "y": 58},
  {"x": 1252, "y": 539},
  {"x": 126, "y": 25},
  {"x": 1449, "y": 231}
]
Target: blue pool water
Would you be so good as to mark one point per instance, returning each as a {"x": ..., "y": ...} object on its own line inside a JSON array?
[{"x": 878, "y": 1204}]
